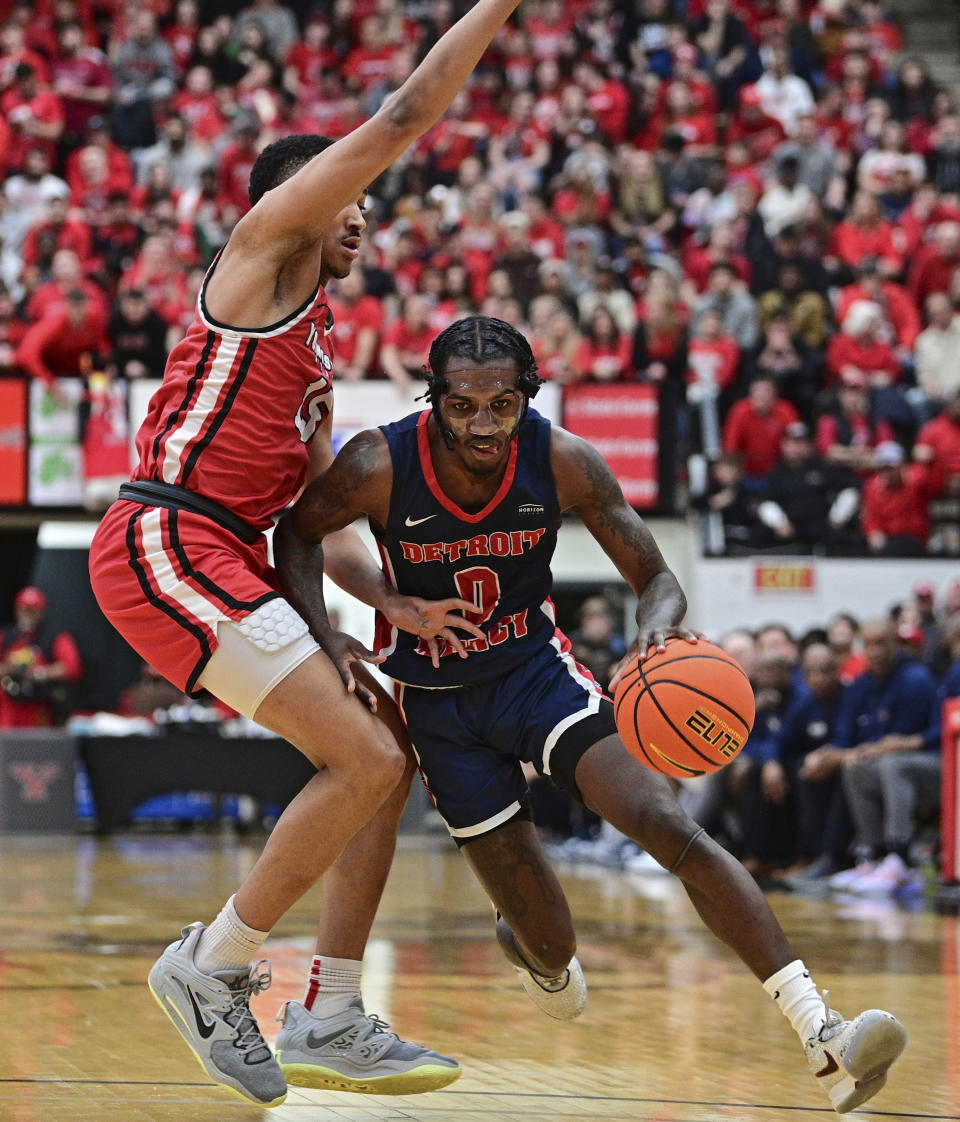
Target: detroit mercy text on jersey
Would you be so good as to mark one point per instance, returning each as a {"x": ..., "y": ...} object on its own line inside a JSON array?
[
  {"x": 238, "y": 408},
  {"x": 499, "y": 557}
]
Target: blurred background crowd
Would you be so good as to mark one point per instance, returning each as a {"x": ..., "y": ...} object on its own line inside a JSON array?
[{"x": 752, "y": 204}]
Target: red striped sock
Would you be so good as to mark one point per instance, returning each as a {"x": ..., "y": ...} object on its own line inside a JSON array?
[{"x": 332, "y": 981}]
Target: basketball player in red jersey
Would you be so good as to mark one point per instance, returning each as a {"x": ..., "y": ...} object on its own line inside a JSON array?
[
  {"x": 179, "y": 566},
  {"x": 468, "y": 496}
]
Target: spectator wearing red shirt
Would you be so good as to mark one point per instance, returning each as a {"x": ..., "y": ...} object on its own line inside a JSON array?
[
  {"x": 757, "y": 129},
  {"x": 934, "y": 264},
  {"x": 925, "y": 211},
  {"x": 893, "y": 510},
  {"x": 848, "y": 435},
  {"x": 898, "y": 310},
  {"x": 198, "y": 106},
  {"x": 681, "y": 117},
  {"x": 699, "y": 261},
  {"x": 685, "y": 69},
  {"x": 81, "y": 78},
  {"x": 608, "y": 100},
  {"x": 859, "y": 347},
  {"x": 605, "y": 353},
  {"x": 233, "y": 169},
  {"x": 181, "y": 34},
  {"x": 309, "y": 57},
  {"x": 452, "y": 140},
  {"x": 754, "y": 427},
  {"x": 12, "y": 330},
  {"x": 357, "y": 324},
  {"x": 57, "y": 345},
  {"x": 67, "y": 275},
  {"x": 406, "y": 343},
  {"x": 34, "y": 114},
  {"x": 159, "y": 271},
  {"x": 713, "y": 358},
  {"x": 368, "y": 64},
  {"x": 14, "y": 50},
  {"x": 938, "y": 443},
  {"x": 58, "y": 231},
  {"x": 866, "y": 233},
  {"x": 36, "y": 659},
  {"x": 548, "y": 26}
]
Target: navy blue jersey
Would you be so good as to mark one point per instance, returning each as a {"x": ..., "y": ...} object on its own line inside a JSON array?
[{"x": 498, "y": 558}]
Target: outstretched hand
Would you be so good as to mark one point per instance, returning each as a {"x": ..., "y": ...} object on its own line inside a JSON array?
[
  {"x": 648, "y": 641},
  {"x": 433, "y": 621},
  {"x": 342, "y": 650}
]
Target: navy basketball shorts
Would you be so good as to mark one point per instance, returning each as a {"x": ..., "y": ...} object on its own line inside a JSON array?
[{"x": 472, "y": 740}]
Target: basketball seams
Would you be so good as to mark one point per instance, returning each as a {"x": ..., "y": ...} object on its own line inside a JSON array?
[
  {"x": 669, "y": 720},
  {"x": 703, "y": 693}
]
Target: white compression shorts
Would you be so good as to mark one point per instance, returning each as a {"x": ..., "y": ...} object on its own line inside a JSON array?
[{"x": 255, "y": 654}]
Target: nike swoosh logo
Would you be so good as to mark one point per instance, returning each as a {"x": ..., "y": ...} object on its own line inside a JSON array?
[
  {"x": 203, "y": 1027},
  {"x": 416, "y": 521},
  {"x": 317, "y": 1039},
  {"x": 828, "y": 1068}
]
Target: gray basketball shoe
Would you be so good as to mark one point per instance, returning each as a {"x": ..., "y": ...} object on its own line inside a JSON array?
[
  {"x": 352, "y": 1051},
  {"x": 212, "y": 1014},
  {"x": 850, "y": 1059}
]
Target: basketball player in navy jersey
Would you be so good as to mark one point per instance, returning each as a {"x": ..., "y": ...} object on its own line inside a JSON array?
[
  {"x": 179, "y": 565},
  {"x": 465, "y": 499}
]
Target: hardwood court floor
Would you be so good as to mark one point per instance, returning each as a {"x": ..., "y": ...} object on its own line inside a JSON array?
[{"x": 676, "y": 1029}]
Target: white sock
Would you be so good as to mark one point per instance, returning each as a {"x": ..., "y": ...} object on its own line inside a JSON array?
[
  {"x": 228, "y": 942},
  {"x": 333, "y": 984},
  {"x": 794, "y": 991}
]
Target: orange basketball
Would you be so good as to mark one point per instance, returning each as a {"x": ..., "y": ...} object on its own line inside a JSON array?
[{"x": 686, "y": 710}]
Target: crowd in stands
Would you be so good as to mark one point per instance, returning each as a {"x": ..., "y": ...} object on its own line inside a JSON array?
[
  {"x": 752, "y": 204},
  {"x": 839, "y": 782}
]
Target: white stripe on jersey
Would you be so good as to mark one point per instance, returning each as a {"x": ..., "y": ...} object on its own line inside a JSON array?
[
  {"x": 190, "y": 425},
  {"x": 590, "y": 687},
  {"x": 165, "y": 577}
]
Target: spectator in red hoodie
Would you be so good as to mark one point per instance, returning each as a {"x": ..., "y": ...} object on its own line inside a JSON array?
[
  {"x": 859, "y": 347},
  {"x": 34, "y": 114},
  {"x": 898, "y": 310},
  {"x": 37, "y": 660},
  {"x": 934, "y": 264},
  {"x": 757, "y": 129},
  {"x": 866, "y": 233},
  {"x": 893, "y": 510},
  {"x": 755, "y": 425},
  {"x": 56, "y": 347}
]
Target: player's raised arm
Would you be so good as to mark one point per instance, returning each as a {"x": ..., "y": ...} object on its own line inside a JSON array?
[
  {"x": 296, "y": 212},
  {"x": 587, "y": 486}
]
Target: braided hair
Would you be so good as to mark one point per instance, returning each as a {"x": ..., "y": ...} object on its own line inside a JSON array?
[{"x": 480, "y": 339}]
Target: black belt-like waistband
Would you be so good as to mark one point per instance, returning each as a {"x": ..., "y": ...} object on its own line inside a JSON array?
[{"x": 169, "y": 495}]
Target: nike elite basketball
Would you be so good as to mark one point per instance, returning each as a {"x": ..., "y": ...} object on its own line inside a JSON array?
[{"x": 686, "y": 710}]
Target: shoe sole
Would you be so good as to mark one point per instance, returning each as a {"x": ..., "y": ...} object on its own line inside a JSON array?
[
  {"x": 217, "y": 1077},
  {"x": 430, "y": 1077},
  {"x": 868, "y": 1063}
]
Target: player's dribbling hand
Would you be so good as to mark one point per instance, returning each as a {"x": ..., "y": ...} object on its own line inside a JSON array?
[
  {"x": 649, "y": 640},
  {"x": 342, "y": 650},
  {"x": 433, "y": 621}
]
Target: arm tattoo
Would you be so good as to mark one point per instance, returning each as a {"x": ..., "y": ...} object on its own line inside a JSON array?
[{"x": 605, "y": 511}]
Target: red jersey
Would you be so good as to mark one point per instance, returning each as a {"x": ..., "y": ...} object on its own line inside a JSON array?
[{"x": 237, "y": 410}]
